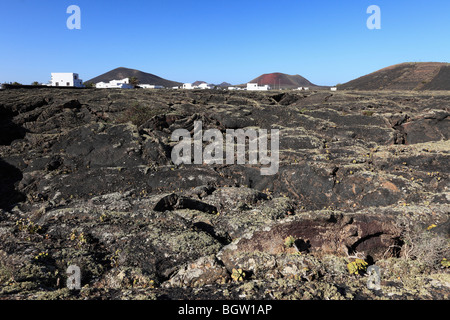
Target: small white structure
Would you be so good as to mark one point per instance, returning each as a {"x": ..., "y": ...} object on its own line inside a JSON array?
[
  {"x": 232, "y": 88},
  {"x": 203, "y": 86},
  {"x": 188, "y": 86},
  {"x": 150, "y": 86},
  {"x": 115, "y": 84},
  {"x": 302, "y": 89},
  {"x": 255, "y": 87},
  {"x": 66, "y": 80},
  {"x": 333, "y": 89}
]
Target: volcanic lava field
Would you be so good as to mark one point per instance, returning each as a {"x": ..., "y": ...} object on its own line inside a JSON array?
[{"x": 88, "y": 180}]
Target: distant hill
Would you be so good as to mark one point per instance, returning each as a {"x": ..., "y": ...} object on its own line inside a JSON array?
[
  {"x": 405, "y": 76},
  {"x": 197, "y": 83},
  {"x": 224, "y": 84},
  {"x": 143, "y": 77},
  {"x": 284, "y": 81}
]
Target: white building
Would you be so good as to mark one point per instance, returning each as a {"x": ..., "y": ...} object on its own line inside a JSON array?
[
  {"x": 255, "y": 87},
  {"x": 333, "y": 89},
  {"x": 204, "y": 86},
  {"x": 115, "y": 84},
  {"x": 66, "y": 80},
  {"x": 150, "y": 86},
  {"x": 190, "y": 86}
]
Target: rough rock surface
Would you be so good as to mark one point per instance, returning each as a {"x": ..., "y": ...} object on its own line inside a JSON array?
[{"x": 87, "y": 180}]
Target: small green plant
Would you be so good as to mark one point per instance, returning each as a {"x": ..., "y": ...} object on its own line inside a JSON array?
[
  {"x": 143, "y": 283},
  {"x": 358, "y": 266},
  {"x": 238, "y": 275},
  {"x": 26, "y": 225},
  {"x": 80, "y": 239},
  {"x": 41, "y": 256},
  {"x": 289, "y": 242},
  {"x": 445, "y": 263},
  {"x": 114, "y": 259}
]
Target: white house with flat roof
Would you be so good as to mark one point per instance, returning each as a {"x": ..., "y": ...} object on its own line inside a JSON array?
[
  {"x": 188, "y": 86},
  {"x": 66, "y": 80},
  {"x": 204, "y": 86},
  {"x": 256, "y": 87},
  {"x": 115, "y": 84}
]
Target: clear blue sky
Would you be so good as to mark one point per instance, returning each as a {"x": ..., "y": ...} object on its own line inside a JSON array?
[{"x": 326, "y": 41}]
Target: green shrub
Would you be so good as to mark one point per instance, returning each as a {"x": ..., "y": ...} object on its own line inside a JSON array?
[
  {"x": 289, "y": 242},
  {"x": 28, "y": 226},
  {"x": 238, "y": 275},
  {"x": 358, "y": 266}
]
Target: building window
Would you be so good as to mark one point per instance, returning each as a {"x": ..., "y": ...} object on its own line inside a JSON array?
[
  {"x": 57, "y": 84},
  {"x": 68, "y": 84}
]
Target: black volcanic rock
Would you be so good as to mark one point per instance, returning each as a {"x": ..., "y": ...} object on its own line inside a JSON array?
[{"x": 83, "y": 182}]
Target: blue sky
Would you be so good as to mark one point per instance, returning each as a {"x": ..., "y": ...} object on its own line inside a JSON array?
[{"x": 326, "y": 41}]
